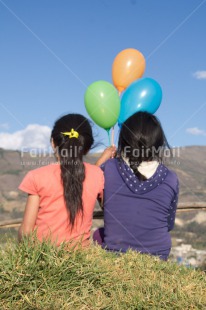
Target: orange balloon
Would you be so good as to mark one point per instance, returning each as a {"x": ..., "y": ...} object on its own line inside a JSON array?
[{"x": 128, "y": 66}]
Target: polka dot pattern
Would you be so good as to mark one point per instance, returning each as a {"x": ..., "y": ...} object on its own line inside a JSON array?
[{"x": 141, "y": 187}]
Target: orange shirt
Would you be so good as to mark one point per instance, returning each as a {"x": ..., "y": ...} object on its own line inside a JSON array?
[{"x": 52, "y": 219}]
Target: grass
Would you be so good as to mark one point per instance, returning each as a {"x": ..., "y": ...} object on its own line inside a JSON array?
[{"x": 39, "y": 276}]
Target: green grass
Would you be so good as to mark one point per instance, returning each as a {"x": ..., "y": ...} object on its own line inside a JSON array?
[
  {"x": 39, "y": 276},
  {"x": 7, "y": 233}
]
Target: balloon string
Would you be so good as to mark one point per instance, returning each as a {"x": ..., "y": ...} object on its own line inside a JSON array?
[
  {"x": 108, "y": 132},
  {"x": 112, "y": 136}
]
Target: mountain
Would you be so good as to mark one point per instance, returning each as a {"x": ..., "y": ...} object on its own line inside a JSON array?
[{"x": 189, "y": 163}]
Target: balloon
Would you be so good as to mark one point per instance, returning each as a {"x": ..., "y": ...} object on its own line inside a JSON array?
[
  {"x": 102, "y": 104},
  {"x": 142, "y": 95},
  {"x": 128, "y": 66}
]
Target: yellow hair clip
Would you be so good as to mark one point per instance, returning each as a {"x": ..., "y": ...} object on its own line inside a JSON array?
[{"x": 71, "y": 134}]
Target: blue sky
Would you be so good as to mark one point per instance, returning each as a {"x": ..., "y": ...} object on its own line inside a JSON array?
[{"x": 51, "y": 51}]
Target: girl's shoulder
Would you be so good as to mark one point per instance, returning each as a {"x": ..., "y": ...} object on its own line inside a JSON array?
[
  {"x": 93, "y": 169},
  {"x": 94, "y": 177},
  {"x": 112, "y": 162},
  {"x": 172, "y": 178},
  {"x": 45, "y": 169},
  {"x": 171, "y": 172},
  {"x": 36, "y": 179}
]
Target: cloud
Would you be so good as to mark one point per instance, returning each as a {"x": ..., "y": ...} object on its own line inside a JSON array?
[
  {"x": 200, "y": 75},
  {"x": 196, "y": 131},
  {"x": 33, "y": 136}
]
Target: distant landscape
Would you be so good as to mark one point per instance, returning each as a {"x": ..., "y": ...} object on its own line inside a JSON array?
[{"x": 189, "y": 163}]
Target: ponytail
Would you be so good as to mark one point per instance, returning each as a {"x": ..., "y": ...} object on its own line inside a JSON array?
[
  {"x": 70, "y": 151},
  {"x": 134, "y": 164},
  {"x": 72, "y": 175}
]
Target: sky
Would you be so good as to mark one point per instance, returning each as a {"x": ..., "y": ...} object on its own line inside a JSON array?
[{"x": 52, "y": 50}]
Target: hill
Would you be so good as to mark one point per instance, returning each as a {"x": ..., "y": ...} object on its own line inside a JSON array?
[{"x": 189, "y": 163}]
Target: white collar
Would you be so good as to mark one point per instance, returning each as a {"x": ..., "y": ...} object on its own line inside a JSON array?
[{"x": 146, "y": 168}]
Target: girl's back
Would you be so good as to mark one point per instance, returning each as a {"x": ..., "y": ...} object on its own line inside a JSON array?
[
  {"x": 52, "y": 219},
  {"x": 138, "y": 214},
  {"x": 140, "y": 196},
  {"x": 61, "y": 196}
]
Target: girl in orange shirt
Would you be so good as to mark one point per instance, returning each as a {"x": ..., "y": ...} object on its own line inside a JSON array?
[{"x": 62, "y": 196}]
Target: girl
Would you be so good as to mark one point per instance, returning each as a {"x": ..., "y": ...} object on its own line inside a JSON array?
[
  {"x": 140, "y": 195},
  {"x": 62, "y": 196}
]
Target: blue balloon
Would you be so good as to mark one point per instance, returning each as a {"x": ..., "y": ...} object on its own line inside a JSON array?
[{"x": 142, "y": 95}]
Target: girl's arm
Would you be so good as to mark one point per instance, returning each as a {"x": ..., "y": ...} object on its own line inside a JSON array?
[
  {"x": 108, "y": 153},
  {"x": 30, "y": 215},
  {"x": 173, "y": 208},
  {"x": 172, "y": 214}
]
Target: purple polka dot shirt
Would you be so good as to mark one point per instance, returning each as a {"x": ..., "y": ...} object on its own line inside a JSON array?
[{"x": 138, "y": 214}]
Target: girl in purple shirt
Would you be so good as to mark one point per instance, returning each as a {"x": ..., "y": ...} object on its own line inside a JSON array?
[{"x": 141, "y": 193}]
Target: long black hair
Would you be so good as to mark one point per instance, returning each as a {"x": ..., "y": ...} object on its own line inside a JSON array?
[
  {"x": 70, "y": 151},
  {"x": 142, "y": 139}
]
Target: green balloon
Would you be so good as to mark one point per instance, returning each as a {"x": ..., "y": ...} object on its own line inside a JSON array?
[{"x": 102, "y": 104}]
